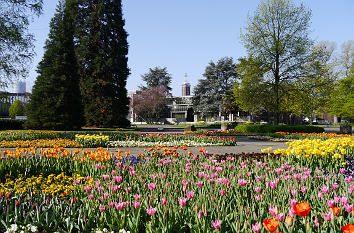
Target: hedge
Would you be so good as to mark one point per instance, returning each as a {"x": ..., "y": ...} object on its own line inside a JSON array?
[
  {"x": 279, "y": 128},
  {"x": 8, "y": 124}
]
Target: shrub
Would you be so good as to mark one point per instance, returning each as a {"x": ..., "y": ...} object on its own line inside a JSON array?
[
  {"x": 277, "y": 128},
  {"x": 17, "y": 109},
  {"x": 6, "y": 124}
]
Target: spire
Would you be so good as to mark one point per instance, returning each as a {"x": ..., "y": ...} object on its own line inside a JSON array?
[{"x": 185, "y": 78}]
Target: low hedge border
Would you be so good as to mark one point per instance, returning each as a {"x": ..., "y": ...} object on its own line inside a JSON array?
[
  {"x": 9, "y": 124},
  {"x": 277, "y": 128}
]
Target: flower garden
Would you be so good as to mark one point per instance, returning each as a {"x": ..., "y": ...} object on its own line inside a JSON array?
[{"x": 51, "y": 187}]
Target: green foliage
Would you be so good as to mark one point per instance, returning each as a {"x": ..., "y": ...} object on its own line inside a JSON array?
[
  {"x": 342, "y": 98},
  {"x": 17, "y": 109},
  {"x": 209, "y": 92},
  {"x": 55, "y": 102},
  {"x": 102, "y": 53},
  {"x": 157, "y": 77},
  {"x": 8, "y": 124},
  {"x": 16, "y": 44},
  {"x": 277, "y": 36},
  {"x": 278, "y": 128}
]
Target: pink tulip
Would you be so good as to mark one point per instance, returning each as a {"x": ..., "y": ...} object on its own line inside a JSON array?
[
  {"x": 330, "y": 203},
  {"x": 328, "y": 216},
  {"x": 272, "y": 211},
  {"x": 349, "y": 179},
  {"x": 316, "y": 222},
  {"x": 190, "y": 194},
  {"x": 257, "y": 189},
  {"x": 132, "y": 173},
  {"x": 242, "y": 182},
  {"x": 164, "y": 201},
  {"x": 200, "y": 214},
  {"x": 258, "y": 198},
  {"x": 151, "y": 211},
  {"x": 87, "y": 189},
  {"x": 337, "y": 199},
  {"x": 216, "y": 224},
  {"x": 97, "y": 165},
  {"x": 324, "y": 189},
  {"x": 151, "y": 186},
  {"x": 102, "y": 208},
  {"x": 293, "y": 192},
  {"x": 199, "y": 184},
  {"x": 256, "y": 228},
  {"x": 335, "y": 186},
  {"x": 136, "y": 204},
  {"x": 91, "y": 196},
  {"x": 348, "y": 208},
  {"x": 182, "y": 201},
  {"x": 281, "y": 216},
  {"x": 119, "y": 206},
  {"x": 222, "y": 192},
  {"x": 303, "y": 189},
  {"x": 344, "y": 201}
]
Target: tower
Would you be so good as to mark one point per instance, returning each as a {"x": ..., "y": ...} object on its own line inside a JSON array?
[{"x": 186, "y": 87}]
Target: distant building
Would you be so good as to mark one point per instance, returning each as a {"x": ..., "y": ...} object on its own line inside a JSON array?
[
  {"x": 18, "y": 93},
  {"x": 180, "y": 107}
]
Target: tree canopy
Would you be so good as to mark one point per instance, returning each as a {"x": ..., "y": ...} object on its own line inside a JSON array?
[
  {"x": 55, "y": 102},
  {"x": 149, "y": 103},
  {"x": 209, "y": 92},
  {"x": 16, "y": 44},
  {"x": 102, "y": 50},
  {"x": 277, "y": 36},
  {"x": 157, "y": 77}
]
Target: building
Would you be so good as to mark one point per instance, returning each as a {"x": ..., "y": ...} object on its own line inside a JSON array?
[
  {"x": 18, "y": 92},
  {"x": 180, "y": 108}
]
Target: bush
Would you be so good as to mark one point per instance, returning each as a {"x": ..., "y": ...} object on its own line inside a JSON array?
[
  {"x": 277, "y": 128},
  {"x": 6, "y": 124},
  {"x": 17, "y": 109}
]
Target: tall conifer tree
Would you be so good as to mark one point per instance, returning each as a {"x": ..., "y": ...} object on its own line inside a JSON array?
[
  {"x": 102, "y": 50},
  {"x": 55, "y": 102}
]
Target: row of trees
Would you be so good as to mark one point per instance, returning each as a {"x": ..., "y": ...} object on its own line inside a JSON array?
[
  {"x": 283, "y": 72},
  {"x": 83, "y": 73}
]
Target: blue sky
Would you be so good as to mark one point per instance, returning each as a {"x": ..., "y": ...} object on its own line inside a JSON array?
[{"x": 185, "y": 35}]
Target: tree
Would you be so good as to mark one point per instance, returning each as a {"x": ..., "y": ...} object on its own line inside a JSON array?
[
  {"x": 102, "y": 50},
  {"x": 209, "y": 92},
  {"x": 17, "y": 108},
  {"x": 312, "y": 92},
  {"x": 149, "y": 103},
  {"x": 346, "y": 59},
  {"x": 16, "y": 44},
  {"x": 251, "y": 94},
  {"x": 342, "y": 98},
  {"x": 277, "y": 35},
  {"x": 157, "y": 77},
  {"x": 55, "y": 102}
]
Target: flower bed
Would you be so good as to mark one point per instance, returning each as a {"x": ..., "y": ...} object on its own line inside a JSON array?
[{"x": 298, "y": 189}]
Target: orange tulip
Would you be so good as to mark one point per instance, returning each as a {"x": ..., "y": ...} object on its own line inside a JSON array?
[
  {"x": 348, "y": 228},
  {"x": 271, "y": 224},
  {"x": 302, "y": 209},
  {"x": 289, "y": 220},
  {"x": 335, "y": 210}
]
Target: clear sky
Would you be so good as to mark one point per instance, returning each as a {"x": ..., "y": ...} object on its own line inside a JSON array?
[{"x": 185, "y": 35}]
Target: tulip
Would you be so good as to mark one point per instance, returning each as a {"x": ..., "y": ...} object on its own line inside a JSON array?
[
  {"x": 328, "y": 216},
  {"x": 216, "y": 224},
  {"x": 182, "y": 201},
  {"x": 302, "y": 209},
  {"x": 136, "y": 204},
  {"x": 348, "y": 228},
  {"x": 289, "y": 220},
  {"x": 151, "y": 211},
  {"x": 271, "y": 224},
  {"x": 256, "y": 228},
  {"x": 102, "y": 208},
  {"x": 335, "y": 210}
]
